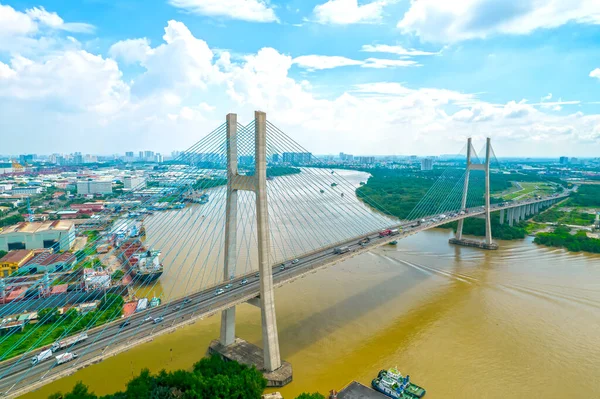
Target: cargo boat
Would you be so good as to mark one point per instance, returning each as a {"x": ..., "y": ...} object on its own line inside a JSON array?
[
  {"x": 143, "y": 263},
  {"x": 392, "y": 384}
]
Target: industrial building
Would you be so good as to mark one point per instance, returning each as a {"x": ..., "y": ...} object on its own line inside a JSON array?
[
  {"x": 12, "y": 261},
  {"x": 134, "y": 182},
  {"x": 50, "y": 262},
  {"x": 26, "y": 190},
  {"x": 58, "y": 235},
  {"x": 94, "y": 187}
]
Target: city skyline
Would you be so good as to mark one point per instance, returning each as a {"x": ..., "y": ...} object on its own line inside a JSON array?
[{"x": 403, "y": 77}]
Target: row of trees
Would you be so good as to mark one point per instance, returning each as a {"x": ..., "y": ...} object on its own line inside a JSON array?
[
  {"x": 562, "y": 237},
  {"x": 210, "y": 378}
]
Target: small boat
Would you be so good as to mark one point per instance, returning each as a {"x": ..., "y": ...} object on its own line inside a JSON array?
[
  {"x": 333, "y": 184},
  {"x": 393, "y": 242},
  {"x": 322, "y": 191},
  {"x": 392, "y": 384}
]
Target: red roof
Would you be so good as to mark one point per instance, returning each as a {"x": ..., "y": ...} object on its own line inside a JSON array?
[
  {"x": 129, "y": 308},
  {"x": 48, "y": 258}
]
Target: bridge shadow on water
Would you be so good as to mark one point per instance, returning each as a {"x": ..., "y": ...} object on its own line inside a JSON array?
[{"x": 305, "y": 332}]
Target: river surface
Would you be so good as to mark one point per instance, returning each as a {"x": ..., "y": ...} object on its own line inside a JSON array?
[{"x": 520, "y": 322}]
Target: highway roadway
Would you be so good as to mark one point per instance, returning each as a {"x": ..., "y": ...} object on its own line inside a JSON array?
[{"x": 18, "y": 376}]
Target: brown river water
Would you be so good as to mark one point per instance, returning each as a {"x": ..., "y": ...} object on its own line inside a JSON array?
[{"x": 520, "y": 322}]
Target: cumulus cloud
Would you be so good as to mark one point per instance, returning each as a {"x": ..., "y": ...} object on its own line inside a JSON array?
[
  {"x": 345, "y": 12},
  {"x": 595, "y": 73},
  {"x": 246, "y": 10},
  {"x": 186, "y": 89},
  {"x": 451, "y": 21}
]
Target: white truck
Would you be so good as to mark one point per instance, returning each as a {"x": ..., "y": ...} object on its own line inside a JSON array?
[
  {"x": 58, "y": 345},
  {"x": 40, "y": 357},
  {"x": 65, "y": 357}
]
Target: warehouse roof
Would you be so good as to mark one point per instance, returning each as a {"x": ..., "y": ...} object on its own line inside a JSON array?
[{"x": 38, "y": 227}]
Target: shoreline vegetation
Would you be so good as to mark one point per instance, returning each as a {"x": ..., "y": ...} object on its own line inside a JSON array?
[
  {"x": 397, "y": 192},
  {"x": 210, "y": 378}
]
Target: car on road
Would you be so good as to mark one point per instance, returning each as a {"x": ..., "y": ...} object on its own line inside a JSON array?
[
  {"x": 125, "y": 324},
  {"x": 186, "y": 301},
  {"x": 228, "y": 286},
  {"x": 219, "y": 291},
  {"x": 282, "y": 267},
  {"x": 149, "y": 318},
  {"x": 295, "y": 261},
  {"x": 158, "y": 320},
  {"x": 244, "y": 282},
  {"x": 177, "y": 308},
  {"x": 257, "y": 275}
]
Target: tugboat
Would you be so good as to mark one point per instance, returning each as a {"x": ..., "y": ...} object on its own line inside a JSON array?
[{"x": 392, "y": 384}]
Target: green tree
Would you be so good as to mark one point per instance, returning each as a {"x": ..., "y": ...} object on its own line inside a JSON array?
[
  {"x": 2, "y": 253},
  {"x": 117, "y": 275},
  {"x": 48, "y": 315},
  {"x": 315, "y": 395}
]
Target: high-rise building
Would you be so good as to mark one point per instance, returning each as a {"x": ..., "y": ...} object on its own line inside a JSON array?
[
  {"x": 297, "y": 158},
  {"x": 77, "y": 158},
  {"x": 564, "y": 160},
  {"x": 158, "y": 158},
  {"x": 134, "y": 182},
  {"x": 26, "y": 158},
  {"x": 141, "y": 155},
  {"x": 365, "y": 160},
  {"x": 426, "y": 164},
  {"x": 129, "y": 154}
]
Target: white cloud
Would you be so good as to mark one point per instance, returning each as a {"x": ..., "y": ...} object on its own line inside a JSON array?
[
  {"x": 452, "y": 21},
  {"x": 131, "y": 50},
  {"x": 344, "y": 12},
  {"x": 185, "y": 91},
  {"x": 315, "y": 62},
  {"x": 399, "y": 50},
  {"x": 318, "y": 62},
  {"x": 385, "y": 63},
  {"x": 595, "y": 73},
  {"x": 13, "y": 23},
  {"x": 246, "y": 10}
]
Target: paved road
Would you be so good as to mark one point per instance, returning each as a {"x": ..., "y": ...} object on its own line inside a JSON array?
[{"x": 17, "y": 373}]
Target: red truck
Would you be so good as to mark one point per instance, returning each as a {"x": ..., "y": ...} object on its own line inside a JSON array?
[{"x": 385, "y": 233}]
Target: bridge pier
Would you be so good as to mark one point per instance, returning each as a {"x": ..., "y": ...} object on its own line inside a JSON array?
[
  {"x": 501, "y": 216},
  {"x": 268, "y": 358}
]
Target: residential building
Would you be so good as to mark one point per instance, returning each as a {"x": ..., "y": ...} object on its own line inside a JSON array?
[
  {"x": 365, "y": 160},
  {"x": 94, "y": 187},
  {"x": 426, "y": 164},
  {"x": 297, "y": 158},
  {"x": 12, "y": 261},
  {"x": 58, "y": 235},
  {"x": 564, "y": 160},
  {"x": 26, "y": 158}
]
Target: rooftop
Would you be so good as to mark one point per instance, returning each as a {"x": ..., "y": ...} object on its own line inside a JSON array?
[
  {"x": 16, "y": 256},
  {"x": 38, "y": 227},
  {"x": 48, "y": 258},
  {"x": 356, "y": 390}
]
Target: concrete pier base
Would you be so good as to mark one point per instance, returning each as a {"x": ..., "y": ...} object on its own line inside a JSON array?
[
  {"x": 251, "y": 355},
  {"x": 465, "y": 242}
]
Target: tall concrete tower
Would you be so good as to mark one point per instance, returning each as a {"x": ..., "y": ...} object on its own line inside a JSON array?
[{"x": 257, "y": 184}]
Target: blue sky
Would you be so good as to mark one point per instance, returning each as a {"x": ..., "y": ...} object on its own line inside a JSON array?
[{"x": 366, "y": 77}]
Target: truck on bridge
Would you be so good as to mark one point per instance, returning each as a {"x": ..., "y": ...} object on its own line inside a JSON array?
[
  {"x": 58, "y": 345},
  {"x": 65, "y": 357},
  {"x": 40, "y": 357}
]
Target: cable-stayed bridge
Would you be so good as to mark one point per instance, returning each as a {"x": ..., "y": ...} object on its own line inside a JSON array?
[{"x": 257, "y": 225}]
